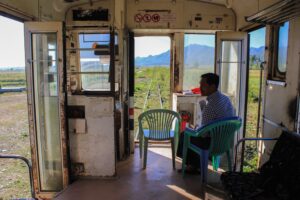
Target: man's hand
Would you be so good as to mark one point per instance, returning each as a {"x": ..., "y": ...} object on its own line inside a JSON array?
[{"x": 193, "y": 126}]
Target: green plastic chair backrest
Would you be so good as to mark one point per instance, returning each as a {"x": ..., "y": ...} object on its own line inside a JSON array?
[
  {"x": 222, "y": 134},
  {"x": 159, "y": 123}
]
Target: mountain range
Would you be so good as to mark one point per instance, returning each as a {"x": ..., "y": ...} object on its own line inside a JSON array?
[{"x": 194, "y": 55}]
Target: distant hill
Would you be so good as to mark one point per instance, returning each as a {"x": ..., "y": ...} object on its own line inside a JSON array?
[
  {"x": 258, "y": 52},
  {"x": 162, "y": 59},
  {"x": 12, "y": 69},
  {"x": 194, "y": 55}
]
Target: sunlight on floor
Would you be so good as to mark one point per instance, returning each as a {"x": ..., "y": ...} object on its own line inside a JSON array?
[
  {"x": 163, "y": 151},
  {"x": 182, "y": 192}
]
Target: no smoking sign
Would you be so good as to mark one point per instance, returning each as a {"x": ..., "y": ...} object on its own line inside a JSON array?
[{"x": 138, "y": 18}]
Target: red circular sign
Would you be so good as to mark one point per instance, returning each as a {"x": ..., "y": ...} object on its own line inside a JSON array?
[
  {"x": 155, "y": 18},
  {"x": 138, "y": 18},
  {"x": 147, "y": 18}
]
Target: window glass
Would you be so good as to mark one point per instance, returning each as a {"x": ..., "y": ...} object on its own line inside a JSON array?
[
  {"x": 95, "y": 81},
  {"x": 94, "y": 61},
  {"x": 282, "y": 47},
  {"x": 46, "y": 104},
  {"x": 230, "y": 64},
  {"x": 199, "y": 57}
]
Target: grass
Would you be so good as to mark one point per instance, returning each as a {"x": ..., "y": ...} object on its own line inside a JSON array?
[
  {"x": 12, "y": 79},
  {"x": 14, "y": 180},
  {"x": 14, "y": 138},
  {"x": 251, "y": 157},
  {"x": 150, "y": 78}
]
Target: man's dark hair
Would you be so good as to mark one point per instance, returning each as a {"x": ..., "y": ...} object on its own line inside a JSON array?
[{"x": 211, "y": 79}]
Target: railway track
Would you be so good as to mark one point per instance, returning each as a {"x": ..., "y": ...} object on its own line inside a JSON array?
[{"x": 153, "y": 97}]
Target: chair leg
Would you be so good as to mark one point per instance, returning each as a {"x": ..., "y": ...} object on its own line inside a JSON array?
[
  {"x": 229, "y": 161},
  {"x": 173, "y": 152},
  {"x": 204, "y": 165},
  {"x": 141, "y": 145},
  {"x": 184, "y": 154},
  {"x": 216, "y": 162},
  {"x": 145, "y": 148}
]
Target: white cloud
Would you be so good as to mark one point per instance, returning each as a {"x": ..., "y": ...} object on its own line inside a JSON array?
[
  {"x": 151, "y": 45},
  {"x": 11, "y": 43}
]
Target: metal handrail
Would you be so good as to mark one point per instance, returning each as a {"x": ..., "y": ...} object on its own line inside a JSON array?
[
  {"x": 13, "y": 156},
  {"x": 244, "y": 140}
]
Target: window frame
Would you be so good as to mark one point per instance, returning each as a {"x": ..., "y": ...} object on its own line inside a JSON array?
[
  {"x": 112, "y": 49},
  {"x": 274, "y": 73}
]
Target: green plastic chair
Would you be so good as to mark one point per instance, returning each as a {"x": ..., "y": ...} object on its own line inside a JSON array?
[
  {"x": 222, "y": 136},
  {"x": 157, "y": 124}
]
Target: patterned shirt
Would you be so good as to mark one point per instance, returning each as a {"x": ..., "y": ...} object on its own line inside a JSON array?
[{"x": 217, "y": 106}]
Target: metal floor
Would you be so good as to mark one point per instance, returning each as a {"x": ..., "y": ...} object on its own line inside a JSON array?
[{"x": 157, "y": 181}]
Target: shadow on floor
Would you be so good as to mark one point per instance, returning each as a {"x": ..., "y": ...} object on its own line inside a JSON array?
[{"x": 157, "y": 181}]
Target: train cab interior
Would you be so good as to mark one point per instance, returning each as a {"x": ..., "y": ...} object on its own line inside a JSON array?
[{"x": 83, "y": 76}]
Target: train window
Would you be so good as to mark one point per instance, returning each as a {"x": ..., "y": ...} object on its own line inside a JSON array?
[
  {"x": 94, "y": 61},
  {"x": 199, "y": 57},
  {"x": 280, "y": 52},
  {"x": 282, "y": 47}
]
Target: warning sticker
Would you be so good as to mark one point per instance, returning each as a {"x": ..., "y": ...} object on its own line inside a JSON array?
[
  {"x": 138, "y": 18},
  {"x": 155, "y": 17},
  {"x": 147, "y": 18}
]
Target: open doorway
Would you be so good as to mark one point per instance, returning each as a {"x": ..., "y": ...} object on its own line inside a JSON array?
[
  {"x": 253, "y": 128},
  {"x": 14, "y": 134},
  {"x": 152, "y": 75}
]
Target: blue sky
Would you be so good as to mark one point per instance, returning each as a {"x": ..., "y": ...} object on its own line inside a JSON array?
[
  {"x": 153, "y": 45},
  {"x": 257, "y": 38},
  {"x": 283, "y": 35},
  {"x": 12, "y": 43},
  {"x": 203, "y": 39}
]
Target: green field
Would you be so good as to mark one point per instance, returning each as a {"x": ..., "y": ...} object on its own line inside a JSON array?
[
  {"x": 12, "y": 79},
  {"x": 150, "y": 79},
  {"x": 251, "y": 157},
  {"x": 14, "y": 137}
]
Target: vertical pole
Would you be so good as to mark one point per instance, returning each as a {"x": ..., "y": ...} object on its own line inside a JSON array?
[{"x": 131, "y": 91}]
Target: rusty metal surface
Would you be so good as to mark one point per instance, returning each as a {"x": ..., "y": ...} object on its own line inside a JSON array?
[
  {"x": 176, "y": 73},
  {"x": 31, "y": 117}
]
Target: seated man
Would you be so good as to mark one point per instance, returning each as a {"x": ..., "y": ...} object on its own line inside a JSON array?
[{"x": 216, "y": 106}]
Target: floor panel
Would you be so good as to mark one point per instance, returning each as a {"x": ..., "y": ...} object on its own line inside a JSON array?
[{"x": 157, "y": 181}]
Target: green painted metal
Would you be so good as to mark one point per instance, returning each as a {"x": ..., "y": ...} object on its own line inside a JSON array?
[
  {"x": 157, "y": 124},
  {"x": 222, "y": 137}
]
